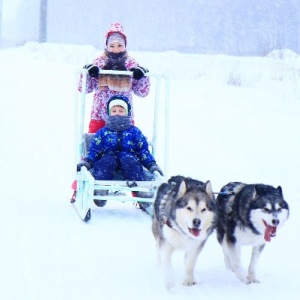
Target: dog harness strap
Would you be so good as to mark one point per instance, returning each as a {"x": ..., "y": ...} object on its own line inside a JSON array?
[{"x": 224, "y": 193}]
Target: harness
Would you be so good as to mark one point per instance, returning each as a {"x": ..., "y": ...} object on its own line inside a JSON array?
[{"x": 223, "y": 193}]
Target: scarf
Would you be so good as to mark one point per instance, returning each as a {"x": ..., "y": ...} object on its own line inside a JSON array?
[
  {"x": 116, "y": 62},
  {"x": 118, "y": 123}
]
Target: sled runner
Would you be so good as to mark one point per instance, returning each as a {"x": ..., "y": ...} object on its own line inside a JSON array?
[{"x": 90, "y": 193}]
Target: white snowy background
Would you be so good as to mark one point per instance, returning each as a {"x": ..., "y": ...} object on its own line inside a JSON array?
[{"x": 231, "y": 119}]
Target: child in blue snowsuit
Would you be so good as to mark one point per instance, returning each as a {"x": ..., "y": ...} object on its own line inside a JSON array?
[{"x": 119, "y": 145}]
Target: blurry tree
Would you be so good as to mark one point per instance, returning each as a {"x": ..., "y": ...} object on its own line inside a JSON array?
[
  {"x": 0, "y": 20},
  {"x": 43, "y": 21}
]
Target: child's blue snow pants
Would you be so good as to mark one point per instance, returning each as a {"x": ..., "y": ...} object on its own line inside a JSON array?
[{"x": 105, "y": 168}]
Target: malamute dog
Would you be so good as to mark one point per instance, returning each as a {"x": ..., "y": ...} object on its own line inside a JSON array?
[
  {"x": 248, "y": 214},
  {"x": 184, "y": 217}
]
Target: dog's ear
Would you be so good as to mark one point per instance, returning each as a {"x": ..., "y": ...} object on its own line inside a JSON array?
[
  {"x": 209, "y": 191},
  {"x": 279, "y": 189},
  {"x": 182, "y": 189},
  {"x": 254, "y": 192}
]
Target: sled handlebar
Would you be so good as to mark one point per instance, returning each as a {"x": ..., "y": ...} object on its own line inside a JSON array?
[{"x": 114, "y": 72}]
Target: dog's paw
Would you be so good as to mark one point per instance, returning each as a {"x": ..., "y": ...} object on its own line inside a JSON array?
[
  {"x": 189, "y": 281},
  {"x": 169, "y": 281},
  {"x": 169, "y": 284},
  {"x": 252, "y": 279}
]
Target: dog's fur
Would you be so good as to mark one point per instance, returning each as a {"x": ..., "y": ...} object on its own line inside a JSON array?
[
  {"x": 184, "y": 217},
  {"x": 248, "y": 214}
]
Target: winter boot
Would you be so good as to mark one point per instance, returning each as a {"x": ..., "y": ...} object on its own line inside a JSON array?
[
  {"x": 100, "y": 203},
  {"x": 144, "y": 205},
  {"x": 73, "y": 198}
]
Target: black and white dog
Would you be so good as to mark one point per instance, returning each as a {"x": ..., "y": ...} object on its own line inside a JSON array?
[
  {"x": 248, "y": 214},
  {"x": 184, "y": 217}
]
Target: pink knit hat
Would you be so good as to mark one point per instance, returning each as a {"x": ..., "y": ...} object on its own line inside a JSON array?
[
  {"x": 113, "y": 28},
  {"x": 116, "y": 37}
]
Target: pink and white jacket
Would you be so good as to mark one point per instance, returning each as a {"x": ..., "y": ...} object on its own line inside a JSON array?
[{"x": 140, "y": 88}]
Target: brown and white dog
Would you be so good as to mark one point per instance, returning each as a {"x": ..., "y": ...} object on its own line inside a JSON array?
[{"x": 184, "y": 217}]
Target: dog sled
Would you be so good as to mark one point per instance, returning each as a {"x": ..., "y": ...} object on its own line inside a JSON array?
[{"x": 87, "y": 190}]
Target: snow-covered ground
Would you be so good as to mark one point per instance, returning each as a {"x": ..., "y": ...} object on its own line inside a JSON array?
[{"x": 231, "y": 119}]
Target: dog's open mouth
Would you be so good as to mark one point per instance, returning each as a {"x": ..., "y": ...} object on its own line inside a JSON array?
[
  {"x": 269, "y": 232},
  {"x": 195, "y": 231}
]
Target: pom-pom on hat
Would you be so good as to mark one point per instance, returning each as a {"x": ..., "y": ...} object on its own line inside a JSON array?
[
  {"x": 119, "y": 100},
  {"x": 115, "y": 27}
]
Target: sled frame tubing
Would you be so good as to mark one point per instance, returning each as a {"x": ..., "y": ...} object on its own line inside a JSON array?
[{"x": 86, "y": 184}]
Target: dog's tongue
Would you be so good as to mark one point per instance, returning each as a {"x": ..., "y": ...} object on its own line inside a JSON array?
[
  {"x": 270, "y": 232},
  {"x": 195, "y": 231}
]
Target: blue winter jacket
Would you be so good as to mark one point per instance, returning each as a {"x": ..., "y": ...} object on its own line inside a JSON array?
[{"x": 120, "y": 143}]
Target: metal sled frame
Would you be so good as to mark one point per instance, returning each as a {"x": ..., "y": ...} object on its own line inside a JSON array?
[{"x": 118, "y": 190}]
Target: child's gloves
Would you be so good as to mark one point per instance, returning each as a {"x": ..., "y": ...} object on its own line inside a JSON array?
[
  {"x": 93, "y": 70},
  {"x": 154, "y": 168},
  {"x": 139, "y": 72},
  {"x": 83, "y": 163}
]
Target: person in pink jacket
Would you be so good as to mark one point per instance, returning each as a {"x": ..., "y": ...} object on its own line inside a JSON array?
[{"x": 114, "y": 57}]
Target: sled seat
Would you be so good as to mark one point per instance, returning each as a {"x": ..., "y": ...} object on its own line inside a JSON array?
[{"x": 87, "y": 138}]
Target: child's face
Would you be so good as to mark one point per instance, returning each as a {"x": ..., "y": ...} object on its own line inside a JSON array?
[
  {"x": 116, "y": 47},
  {"x": 118, "y": 110}
]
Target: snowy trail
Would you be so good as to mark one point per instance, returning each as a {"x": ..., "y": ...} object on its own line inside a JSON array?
[{"x": 49, "y": 253}]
